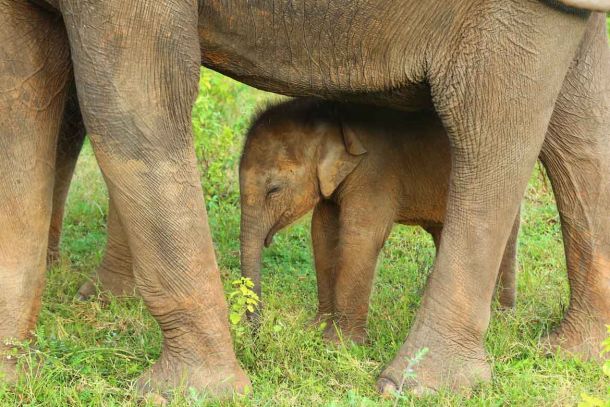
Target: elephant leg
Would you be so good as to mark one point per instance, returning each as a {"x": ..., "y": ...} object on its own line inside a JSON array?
[
  {"x": 496, "y": 127},
  {"x": 34, "y": 77},
  {"x": 362, "y": 233},
  {"x": 506, "y": 287},
  {"x": 325, "y": 239},
  {"x": 576, "y": 155},
  {"x": 115, "y": 273},
  {"x": 69, "y": 144},
  {"x": 137, "y": 71}
]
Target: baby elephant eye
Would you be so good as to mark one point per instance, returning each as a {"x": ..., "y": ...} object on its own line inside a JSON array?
[{"x": 272, "y": 191}]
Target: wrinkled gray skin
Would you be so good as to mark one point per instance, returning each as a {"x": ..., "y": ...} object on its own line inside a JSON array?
[
  {"x": 361, "y": 169},
  {"x": 500, "y": 74}
]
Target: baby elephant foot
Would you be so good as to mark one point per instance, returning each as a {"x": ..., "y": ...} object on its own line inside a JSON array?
[
  {"x": 428, "y": 362},
  {"x": 343, "y": 332},
  {"x": 170, "y": 374},
  {"x": 506, "y": 300},
  {"x": 53, "y": 257}
]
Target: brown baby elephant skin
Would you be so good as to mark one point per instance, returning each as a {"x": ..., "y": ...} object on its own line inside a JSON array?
[
  {"x": 361, "y": 169},
  {"x": 499, "y": 73}
]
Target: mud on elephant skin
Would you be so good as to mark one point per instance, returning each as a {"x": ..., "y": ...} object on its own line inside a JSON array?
[
  {"x": 363, "y": 168},
  {"x": 499, "y": 73}
]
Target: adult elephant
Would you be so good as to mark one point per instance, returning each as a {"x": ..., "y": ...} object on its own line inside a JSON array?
[{"x": 499, "y": 73}]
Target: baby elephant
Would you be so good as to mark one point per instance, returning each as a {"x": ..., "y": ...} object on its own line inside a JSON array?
[{"x": 362, "y": 169}]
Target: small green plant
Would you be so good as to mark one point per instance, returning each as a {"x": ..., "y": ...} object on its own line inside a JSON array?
[
  {"x": 590, "y": 401},
  {"x": 409, "y": 372},
  {"x": 242, "y": 300}
]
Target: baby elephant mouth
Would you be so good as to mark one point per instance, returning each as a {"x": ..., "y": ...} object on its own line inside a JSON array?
[
  {"x": 269, "y": 237},
  {"x": 280, "y": 224}
]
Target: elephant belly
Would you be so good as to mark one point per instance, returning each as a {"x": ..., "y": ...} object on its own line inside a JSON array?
[{"x": 47, "y": 4}]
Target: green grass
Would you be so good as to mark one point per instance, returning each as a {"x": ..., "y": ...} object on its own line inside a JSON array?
[{"x": 89, "y": 353}]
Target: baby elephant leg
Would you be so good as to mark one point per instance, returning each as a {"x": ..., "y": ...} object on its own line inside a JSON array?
[
  {"x": 363, "y": 231},
  {"x": 325, "y": 240}
]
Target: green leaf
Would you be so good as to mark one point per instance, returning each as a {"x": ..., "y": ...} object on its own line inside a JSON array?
[{"x": 235, "y": 318}]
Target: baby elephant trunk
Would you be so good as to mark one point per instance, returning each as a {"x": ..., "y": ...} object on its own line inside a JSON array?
[{"x": 252, "y": 238}]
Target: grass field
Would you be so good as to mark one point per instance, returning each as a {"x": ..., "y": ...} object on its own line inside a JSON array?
[{"x": 90, "y": 352}]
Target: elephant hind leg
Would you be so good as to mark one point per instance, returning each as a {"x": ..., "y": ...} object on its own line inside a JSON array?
[
  {"x": 506, "y": 287},
  {"x": 115, "y": 273},
  {"x": 576, "y": 155},
  {"x": 34, "y": 73},
  {"x": 69, "y": 144}
]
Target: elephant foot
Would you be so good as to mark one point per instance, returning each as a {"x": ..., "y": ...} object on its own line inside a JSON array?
[
  {"x": 109, "y": 282},
  {"x": 581, "y": 337},
  {"x": 170, "y": 374},
  {"x": 337, "y": 333},
  {"x": 449, "y": 363}
]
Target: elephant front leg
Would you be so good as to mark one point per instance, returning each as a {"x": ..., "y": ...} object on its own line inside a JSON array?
[
  {"x": 325, "y": 239},
  {"x": 363, "y": 231},
  {"x": 576, "y": 154},
  {"x": 34, "y": 77},
  {"x": 506, "y": 285},
  {"x": 137, "y": 70},
  {"x": 496, "y": 127},
  {"x": 114, "y": 275}
]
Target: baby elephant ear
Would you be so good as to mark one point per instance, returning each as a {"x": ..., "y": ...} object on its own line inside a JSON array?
[
  {"x": 353, "y": 145},
  {"x": 340, "y": 156}
]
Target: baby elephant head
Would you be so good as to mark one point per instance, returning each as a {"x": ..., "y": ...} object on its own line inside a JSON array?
[{"x": 295, "y": 154}]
